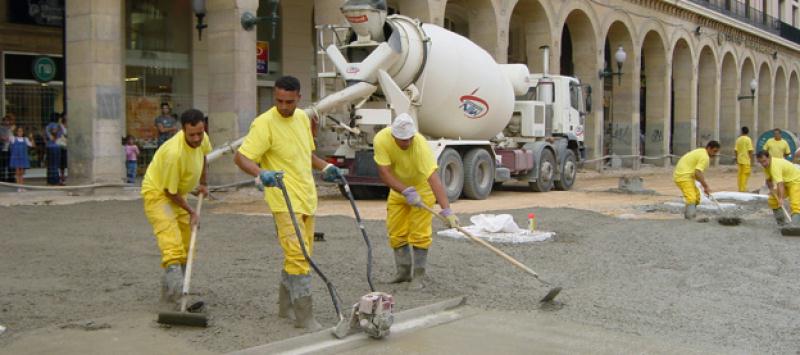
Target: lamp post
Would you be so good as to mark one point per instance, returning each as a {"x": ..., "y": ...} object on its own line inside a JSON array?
[
  {"x": 620, "y": 57},
  {"x": 753, "y": 87},
  {"x": 199, "y": 8}
]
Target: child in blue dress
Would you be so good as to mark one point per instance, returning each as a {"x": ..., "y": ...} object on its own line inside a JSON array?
[{"x": 19, "y": 160}]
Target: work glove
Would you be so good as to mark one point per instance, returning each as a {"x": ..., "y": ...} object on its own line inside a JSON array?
[
  {"x": 269, "y": 178},
  {"x": 412, "y": 196},
  {"x": 451, "y": 217},
  {"x": 331, "y": 173}
]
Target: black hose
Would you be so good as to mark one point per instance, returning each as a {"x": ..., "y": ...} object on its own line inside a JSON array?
[
  {"x": 331, "y": 289},
  {"x": 349, "y": 195}
]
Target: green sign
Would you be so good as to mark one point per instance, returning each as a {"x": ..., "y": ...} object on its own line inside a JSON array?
[{"x": 44, "y": 69}]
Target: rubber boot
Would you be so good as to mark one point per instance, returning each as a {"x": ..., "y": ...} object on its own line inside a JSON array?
[
  {"x": 780, "y": 218},
  {"x": 402, "y": 260},
  {"x": 172, "y": 284},
  {"x": 284, "y": 299},
  {"x": 796, "y": 219},
  {"x": 300, "y": 293},
  {"x": 690, "y": 212},
  {"x": 420, "y": 262}
]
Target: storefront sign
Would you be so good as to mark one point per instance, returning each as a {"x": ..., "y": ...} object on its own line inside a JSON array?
[
  {"x": 37, "y": 12},
  {"x": 262, "y": 57},
  {"x": 44, "y": 69}
]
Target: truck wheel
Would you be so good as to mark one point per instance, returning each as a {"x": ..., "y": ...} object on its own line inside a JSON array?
[
  {"x": 544, "y": 176},
  {"x": 451, "y": 171},
  {"x": 569, "y": 168},
  {"x": 478, "y": 174},
  {"x": 362, "y": 192}
]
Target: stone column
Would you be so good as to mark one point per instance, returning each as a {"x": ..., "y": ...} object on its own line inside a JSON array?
[
  {"x": 298, "y": 55},
  {"x": 199, "y": 69},
  {"x": 231, "y": 80},
  {"x": 96, "y": 106}
]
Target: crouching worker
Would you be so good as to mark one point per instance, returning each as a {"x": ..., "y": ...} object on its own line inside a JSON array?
[
  {"x": 405, "y": 164},
  {"x": 783, "y": 180},
  {"x": 178, "y": 167},
  {"x": 690, "y": 168}
]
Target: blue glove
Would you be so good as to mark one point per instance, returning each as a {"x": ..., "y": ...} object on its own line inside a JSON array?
[
  {"x": 412, "y": 196},
  {"x": 259, "y": 184},
  {"x": 269, "y": 177},
  {"x": 331, "y": 173}
]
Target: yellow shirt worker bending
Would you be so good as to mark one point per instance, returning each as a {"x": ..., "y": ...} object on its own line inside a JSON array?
[
  {"x": 280, "y": 140},
  {"x": 783, "y": 179},
  {"x": 744, "y": 152},
  {"x": 406, "y": 164},
  {"x": 777, "y": 147},
  {"x": 690, "y": 168},
  {"x": 178, "y": 166}
]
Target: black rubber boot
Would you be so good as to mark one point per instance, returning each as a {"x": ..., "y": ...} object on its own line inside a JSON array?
[
  {"x": 402, "y": 260},
  {"x": 420, "y": 262}
]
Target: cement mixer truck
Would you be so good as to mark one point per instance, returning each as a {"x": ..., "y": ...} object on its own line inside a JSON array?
[{"x": 487, "y": 123}]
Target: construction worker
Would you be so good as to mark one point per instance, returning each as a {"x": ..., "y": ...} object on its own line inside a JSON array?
[
  {"x": 777, "y": 147},
  {"x": 783, "y": 180},
  {"x": 744, "y": 154},
  {"x": 280, "y": 140},
  {"x": 690, "y": 168},
  {"x": 406, "y": 164},
  {"x": 177, "y": 168}
]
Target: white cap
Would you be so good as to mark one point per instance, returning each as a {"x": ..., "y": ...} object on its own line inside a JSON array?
[{"x": 403, "y": 127}]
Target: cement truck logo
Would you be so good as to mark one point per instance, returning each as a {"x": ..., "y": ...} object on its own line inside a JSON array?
[{"x": 474, "y": 107}]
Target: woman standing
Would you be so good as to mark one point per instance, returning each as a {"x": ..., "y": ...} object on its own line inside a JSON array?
[
  {"x": 53, "y": 132},
  {"x": 19, "y": 155}
]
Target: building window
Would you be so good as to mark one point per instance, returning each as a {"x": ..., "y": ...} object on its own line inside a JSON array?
[{"x": 794, "y": 16}]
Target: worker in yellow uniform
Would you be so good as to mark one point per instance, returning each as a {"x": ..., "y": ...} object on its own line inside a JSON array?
[
  {"x": 777, "y": 147},
  {"x": 744, "y": 154},
  {"x": 280, "y": 140},
  {"x": 406, "y": 164},
  {"x": 178, "y": 167},
  {"x": 690, "y": 168},
  {"x": 783, "y": 180}
]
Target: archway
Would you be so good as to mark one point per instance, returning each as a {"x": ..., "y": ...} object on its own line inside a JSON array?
[
  {"x": 682, "y": 90},
  {"x": 474, "y": 19},
  {"x": 729, "y": 90},
  {"x": 580, "y": 42},
  {"x": 779, "y": 117},
  {"x": 707, "y": 97},
  {"x": 764, "y": 93},
  {"x": 654, "y": 98},
  {"x": 747, "y": 107},
  {"x": 621, "y": 136},
  {"x": 529, "y": 30},
  {"x": 794, "y": 100}
]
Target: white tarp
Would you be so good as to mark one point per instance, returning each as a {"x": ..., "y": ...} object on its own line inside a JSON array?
[{"x": 498, "y": 229}]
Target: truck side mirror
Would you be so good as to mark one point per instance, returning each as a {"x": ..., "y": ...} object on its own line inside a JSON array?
[{"x": 588, "y": 104}]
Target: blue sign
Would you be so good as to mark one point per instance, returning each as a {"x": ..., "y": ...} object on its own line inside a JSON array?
[{"x": 785, "y": 135}]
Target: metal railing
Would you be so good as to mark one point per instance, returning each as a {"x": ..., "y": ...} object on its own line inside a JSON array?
[{"x": 740, "y": 11}]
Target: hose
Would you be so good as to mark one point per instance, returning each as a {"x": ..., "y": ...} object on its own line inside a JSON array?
[{"x": 349, "y": 194}]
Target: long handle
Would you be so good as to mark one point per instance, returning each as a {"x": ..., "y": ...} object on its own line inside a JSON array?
[
  {"x": 489, "y": 246},
  {"x": 785, "y": 212},
  {"x": 187, "y": 278}
]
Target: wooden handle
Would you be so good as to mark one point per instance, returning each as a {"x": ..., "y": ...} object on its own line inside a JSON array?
[
  {"x": 785, "y": 212},
  {"x": 487, "y": 245},
  {"x": 187, "y": 278}
]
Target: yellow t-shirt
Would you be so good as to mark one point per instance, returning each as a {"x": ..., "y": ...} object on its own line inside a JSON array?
[
  {"x": 695, "y": 160},
  {"x": 176, "y": 167},
  {"x": 782, "y": 170},
  {"x": 412, "y": 166},
  {"x": 743, "y": 147},
  {"x": 286, "y": 144},
  {"x": 777, "y": 149}
]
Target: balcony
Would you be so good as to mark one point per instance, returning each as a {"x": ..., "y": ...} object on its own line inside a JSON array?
[{"x": 740, "y": 11}]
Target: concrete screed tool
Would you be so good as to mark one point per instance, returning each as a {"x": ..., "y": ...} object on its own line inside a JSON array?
[
  {"x": 183, "y": 317},
  {"x": 375, "y": 305},
  {"x": 788, "y": 230},
  {"x": 725, "y": 220},
  {"x": 551, "y": 295}
]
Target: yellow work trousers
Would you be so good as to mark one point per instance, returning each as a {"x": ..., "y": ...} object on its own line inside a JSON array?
[
  {"x": 407, "y": 224},
  {"x": 170, "y": 226},
  {"x": 691, "y": 195},
  {"x": 294, "y": 263},
  {"x": 743, "y": 176},
  {"x": 793, "y": 193}
]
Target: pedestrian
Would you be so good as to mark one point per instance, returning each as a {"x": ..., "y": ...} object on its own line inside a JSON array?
[
  {"x": 53, "y": 132},
  {"x": 166, "y": 124},
  {"x": 176, "y": 169},
  {"x": 777, "y": 147},
  {"x": 62, "y": 143},
  {"x": 744, "y": 154},
  {"x": 281, "y": 140},
  {"x": 406, "y": 164},
  {"x": 19, "y": 155},
  {"x": 783, "y": 180},
  {"x": 131, "y": 157},
  {"x": 690, "y": 168},
  {"x": 6, "y": 134}
]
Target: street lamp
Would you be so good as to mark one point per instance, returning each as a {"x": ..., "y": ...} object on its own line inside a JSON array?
[
  {"x": 249, "y": 20},
  {"x": 620, "y": 56},
  {"x": 753, "y": 87},
  {"x": 199, "y": 8}
]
